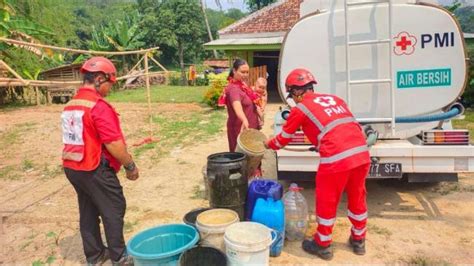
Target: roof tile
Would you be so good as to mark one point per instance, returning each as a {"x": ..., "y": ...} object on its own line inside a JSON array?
[{"x": 278, "y": 17}]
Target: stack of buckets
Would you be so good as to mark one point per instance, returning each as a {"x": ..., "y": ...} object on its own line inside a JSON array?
[{"x": 220, "y": 229}]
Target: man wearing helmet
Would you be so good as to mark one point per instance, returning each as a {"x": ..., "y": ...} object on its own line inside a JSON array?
[
  {"x": 344, "y": 159},
  {"x": 94, "y": 150}
]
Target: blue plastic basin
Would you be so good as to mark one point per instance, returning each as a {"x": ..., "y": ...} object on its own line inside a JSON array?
[{"x": 162, "y": 245}]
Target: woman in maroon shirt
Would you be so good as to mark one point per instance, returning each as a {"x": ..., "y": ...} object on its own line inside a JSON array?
[{"x": 240, "y": 102}]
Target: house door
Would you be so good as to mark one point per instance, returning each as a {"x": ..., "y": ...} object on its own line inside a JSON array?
[{"x": 269, "y": 59}]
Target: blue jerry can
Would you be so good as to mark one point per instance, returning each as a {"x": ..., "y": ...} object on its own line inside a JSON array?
[{"x": 272, "y": 214}]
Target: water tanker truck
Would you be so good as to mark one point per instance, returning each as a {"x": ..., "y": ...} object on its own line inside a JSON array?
[{"x": 401, "y": 66}]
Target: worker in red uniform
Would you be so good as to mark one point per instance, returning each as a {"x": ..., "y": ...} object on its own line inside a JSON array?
[
  {"x": 94, "y": 150},
  {"x": 344, "y": 159}
]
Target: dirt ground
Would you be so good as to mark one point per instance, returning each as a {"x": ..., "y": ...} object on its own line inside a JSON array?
[{"x": 408, "y": 223}]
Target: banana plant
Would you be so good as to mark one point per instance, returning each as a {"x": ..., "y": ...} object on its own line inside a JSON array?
[{"x": 15, "y": 27}]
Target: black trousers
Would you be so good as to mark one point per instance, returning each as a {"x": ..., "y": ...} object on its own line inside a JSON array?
[{"x": 100, "y": 195}]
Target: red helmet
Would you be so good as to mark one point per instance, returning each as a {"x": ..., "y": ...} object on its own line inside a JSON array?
[
  {"x": 100, "y": 64},
  {"x": 299, "y": 77}
]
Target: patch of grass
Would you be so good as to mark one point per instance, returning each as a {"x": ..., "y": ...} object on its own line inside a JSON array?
[
  {"x": 160, "y": 94},
  {"x": 53, "y": 171},
  {"x": 8, "y": 172},
  {"x": 181, "y": 130},
  {"x": 141, "y": 149},
  {"x": 27, "y": 164},
  {"x": 466, "y": 123},
  {"x": 374, "y": 229},
  {"x": 445, "y": 188},
  {"x": 198, "y": 193},
  {"x": 12, "y": 136},
  {"x": 423, "y": 261},
  {"x": 15, "y": 106},
  {"x": 128, "y": 226}
]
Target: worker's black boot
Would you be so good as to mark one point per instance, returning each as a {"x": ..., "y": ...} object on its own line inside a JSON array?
[
  {"x": 312, "y": 247},
  {"x": 358, "y": 246},
  {"x": 102, "y": 258}
]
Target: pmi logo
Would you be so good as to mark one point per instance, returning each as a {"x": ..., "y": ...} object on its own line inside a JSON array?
[{"x": 405, "y": 43}]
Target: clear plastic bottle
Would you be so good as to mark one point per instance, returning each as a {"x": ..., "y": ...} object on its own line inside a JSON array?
[{"x": 296, "y": 214}]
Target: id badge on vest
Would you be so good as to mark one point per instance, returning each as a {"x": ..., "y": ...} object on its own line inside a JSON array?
[{"x": 73, "y": 127}]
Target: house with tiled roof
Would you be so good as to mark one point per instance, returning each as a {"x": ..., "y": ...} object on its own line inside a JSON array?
[{"x": 258, "y": 37}]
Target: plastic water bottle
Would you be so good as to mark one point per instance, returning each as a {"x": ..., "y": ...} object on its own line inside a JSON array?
[
  {"x": 271, "y": 213},
  {"x": 296, "y": 214}
]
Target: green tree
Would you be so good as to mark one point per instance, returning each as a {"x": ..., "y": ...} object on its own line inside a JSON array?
[
  {"x": 255, "y": 5},
  {"x": 235, "y": 13},
  {"x": 174, "y": 25}
]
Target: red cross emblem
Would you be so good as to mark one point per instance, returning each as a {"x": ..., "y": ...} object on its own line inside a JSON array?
[
  {"x": 325, "y": 101},
  {"x": 404, "y": 44}
]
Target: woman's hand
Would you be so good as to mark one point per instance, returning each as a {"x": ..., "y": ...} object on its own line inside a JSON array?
[{"x": 245, "y": 125}]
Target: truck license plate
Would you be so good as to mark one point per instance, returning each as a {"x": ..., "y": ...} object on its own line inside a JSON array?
[{"x": 388, "y": 170}]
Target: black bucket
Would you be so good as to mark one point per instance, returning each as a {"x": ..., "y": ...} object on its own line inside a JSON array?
[
  {"x": 228, "y": 182},
  {"x": 203, "y": 256},
  {"x": 190, "y": 217}
]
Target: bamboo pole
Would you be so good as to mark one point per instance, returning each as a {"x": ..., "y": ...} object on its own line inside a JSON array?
[
  {"x": 135, "y": 66},
  {"x": 77, "y": 50},
  {"x": 5, "y": 82},
  {"x": 14, "y": 72},
  {"x": 37, "y": 95},
  {"x": 147, "y": 82},
  {"x": 158, "y": 63}
]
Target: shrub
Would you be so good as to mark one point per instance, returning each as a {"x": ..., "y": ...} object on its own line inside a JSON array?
[
  {"x": 202, "y": 81},
  {"x": 175, "y": 78},
  {"x": 218, "y": 83}
]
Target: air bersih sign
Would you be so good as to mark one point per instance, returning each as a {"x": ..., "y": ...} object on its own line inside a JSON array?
[{"x": 424, "y": 78}]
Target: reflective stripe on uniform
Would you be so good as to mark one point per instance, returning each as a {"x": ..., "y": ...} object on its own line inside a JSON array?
[
  {"x": 344, "y": 154},
  {"x": 357, "y": 217},
  {"x": 286, "y": 135},
  {"x": 326, "y": 222},
  {"x": 77, "y": 157},
  {"x": 332, "y": 125},
  {"x": 310, "y": 115},
  {"x": 358, "y": 232},
  {"x": 277, "y": 143},
  {"x": 81, "y": 102},
  {"x": 324, "y": 237}
]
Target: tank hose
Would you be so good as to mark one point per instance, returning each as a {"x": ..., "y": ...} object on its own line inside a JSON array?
[{"x": 453, "y": 110}]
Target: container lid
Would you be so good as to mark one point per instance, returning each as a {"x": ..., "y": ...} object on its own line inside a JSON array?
[
  {"x": 248, "y": 234},
  {"x": 252, "y": 140},
  {"x": 216, "y": 218}
]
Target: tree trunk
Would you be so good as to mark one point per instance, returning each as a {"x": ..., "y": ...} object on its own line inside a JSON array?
[
  {"x": 203, "y": 8},
  {"x": 181, "y": 63}
]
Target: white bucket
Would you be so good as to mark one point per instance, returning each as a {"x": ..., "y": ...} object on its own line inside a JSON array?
[
  {"x": 250, "y": 142},
  {"x": 248, "y": 243},
  {"x": 212, "y": 225}
]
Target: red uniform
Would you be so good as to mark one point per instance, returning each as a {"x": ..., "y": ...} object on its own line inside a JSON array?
[
  {"x": 344, "y": 159},
  {"x": 89, "y": 122}
]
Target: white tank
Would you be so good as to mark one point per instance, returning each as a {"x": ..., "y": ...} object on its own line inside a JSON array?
[{"x": 426, "y": 49}]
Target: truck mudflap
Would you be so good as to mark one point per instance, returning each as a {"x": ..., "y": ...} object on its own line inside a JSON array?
[{"x": 390, "y": 159}]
